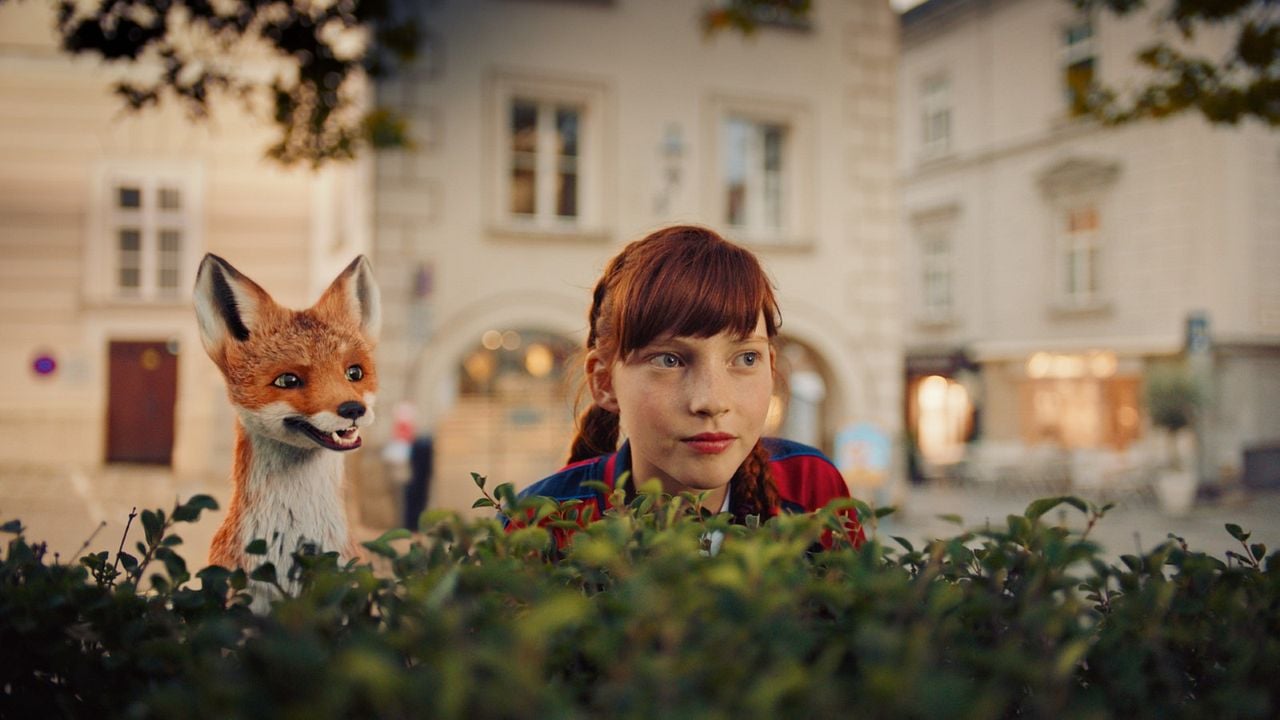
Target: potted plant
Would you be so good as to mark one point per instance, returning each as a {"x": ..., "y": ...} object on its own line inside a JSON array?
[{"x": 1173, "y": 397}]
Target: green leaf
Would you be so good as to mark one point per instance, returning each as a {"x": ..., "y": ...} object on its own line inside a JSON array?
[
  {"x": 256, "y": 547},
  {"x": 13, "y": 527},
  {"x": 152, "y": 525},
  {"x": 190, "y": 510},
  {"x": 904, "y": 543},
  {"x": 266, "y": 572},
  {"x": 128, "y": 561},
  {"x": 951, "y": 518},
  {"x": 483, "y": 503},
  {"x": 885, "y": 511},
  {"x": 1259, "y": 551},
  {"x": 394, "y": 534},
  {"x": 478, "y": 479},
  {"x": 1237, "y": 532},
  {"x": 1038, "y": 508}
]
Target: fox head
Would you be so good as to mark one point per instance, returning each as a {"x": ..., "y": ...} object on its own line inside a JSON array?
[{"x": 302, "y": 377}]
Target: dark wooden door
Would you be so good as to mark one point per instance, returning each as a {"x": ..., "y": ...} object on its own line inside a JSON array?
[{"x": 142, "y": 389}]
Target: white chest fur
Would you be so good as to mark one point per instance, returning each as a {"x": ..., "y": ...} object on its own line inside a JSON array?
[{"x": 293, "y": 500}]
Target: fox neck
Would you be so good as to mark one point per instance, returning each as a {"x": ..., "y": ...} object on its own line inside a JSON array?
[{"x": 289, "y": 496}]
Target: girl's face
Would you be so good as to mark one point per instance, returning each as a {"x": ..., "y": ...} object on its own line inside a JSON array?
[{"x": 693, "y": 408}]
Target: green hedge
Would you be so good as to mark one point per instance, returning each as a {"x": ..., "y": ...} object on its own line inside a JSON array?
[{"x": 632, "y": 620}]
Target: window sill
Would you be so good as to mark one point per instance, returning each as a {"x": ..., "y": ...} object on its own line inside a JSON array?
[
  {"x": 112, "y": 302},
  {"x": 769, "y": 242},
  {"x": 1063, "y": 310},
  {"x": 543, "y": 233},
  {"x": 936, "y": 321}
]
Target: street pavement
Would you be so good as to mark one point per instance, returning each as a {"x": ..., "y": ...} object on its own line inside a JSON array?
[
  {"x": 1135, "y": 525},
  {"x": 65, "y": 507}
]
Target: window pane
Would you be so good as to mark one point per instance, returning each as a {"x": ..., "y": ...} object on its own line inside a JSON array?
[
  {"x": 522, "y": 191},
  {"x": 170, "y": 199},
  {"x": 130, "y": 241},
  {"x": 737, "y": 135},
  {"x": 169, "y": 260},
  {"x": 524, "y": 126},
  {"x": 129, "y": 197},
  {"x": 567, "y": 120},
  {"x": 773, "y": 137},
  {"x": 567, "y": 195},
  {"x": 129, "y": 259},
  {"x": 524, "y": 157}
]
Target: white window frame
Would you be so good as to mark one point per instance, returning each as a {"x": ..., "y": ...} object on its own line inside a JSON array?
[
  {"x": 106, "y": 219},
  {"x": 594, "y": 202},
  {"x": 937, "y": 269},
  {"x": 1079, "y": 255},
  {"x": 927, "y": 227},
  {"x": 1068, "y": 186},
  {"x": 935, "y": 113},
  {"x": 795, "y": 181}
]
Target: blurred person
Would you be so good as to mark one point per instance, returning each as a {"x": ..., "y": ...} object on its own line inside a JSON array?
[{"x": 680, "y": 361}]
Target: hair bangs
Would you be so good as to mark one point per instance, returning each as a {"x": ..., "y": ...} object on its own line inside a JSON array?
[{"x": 703, "y": 290}]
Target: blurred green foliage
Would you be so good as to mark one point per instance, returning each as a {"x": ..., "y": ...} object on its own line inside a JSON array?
[{"x": 632, "y": 618}]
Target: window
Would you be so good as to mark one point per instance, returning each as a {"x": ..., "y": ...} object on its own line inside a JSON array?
[
  {"x": 934, "y": 230},
  {"x": 1079, "y": 256},
  {"x": 544, "y": 160},
  {"x": 760, "y": 171},
  {"x": 1076, "y": 191},
  {"x": 1079, "y": 62},
  {"x": 549, "y": 156},
  {"x": 783, "y": 14},
  {"x": 935, "y": 117},
  {"x": 936, "y": 274},
  {"x": 754, "y": 188},
  {"x": 148, "y": 227},
  {"x": 1079, "y": 400}
]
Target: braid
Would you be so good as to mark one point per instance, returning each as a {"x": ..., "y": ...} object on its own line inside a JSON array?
[
  {"x": 754, "y": 492},
  {"x": 597, "y": 434},
  {"x": 597, "y": 428}
]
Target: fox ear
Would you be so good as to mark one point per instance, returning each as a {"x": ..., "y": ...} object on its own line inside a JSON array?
[
  {"x": 228, "y": 304},
  {"x": 354, "y": 295}
]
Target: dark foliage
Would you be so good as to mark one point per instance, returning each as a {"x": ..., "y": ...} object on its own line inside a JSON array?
[{"x": 633, "y": 619}]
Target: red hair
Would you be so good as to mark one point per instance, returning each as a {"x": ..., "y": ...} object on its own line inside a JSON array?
[{"x": 685, "y": 281}]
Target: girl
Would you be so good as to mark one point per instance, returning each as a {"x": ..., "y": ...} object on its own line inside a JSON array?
[{"x": 680, "y": 360}]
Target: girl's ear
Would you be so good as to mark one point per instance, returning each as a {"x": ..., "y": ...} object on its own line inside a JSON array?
[{"x": 600, "y": 380}]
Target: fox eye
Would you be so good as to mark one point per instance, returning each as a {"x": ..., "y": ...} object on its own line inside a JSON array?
[
  {"x": 355, "y": 372},
  {"x": 287, "y": 381}
]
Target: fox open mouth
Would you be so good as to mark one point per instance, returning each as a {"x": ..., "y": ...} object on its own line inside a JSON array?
[{"x": 345, "y": 439}]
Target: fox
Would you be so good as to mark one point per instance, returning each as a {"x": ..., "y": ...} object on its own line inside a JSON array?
[{"x": 302, "y": 384}]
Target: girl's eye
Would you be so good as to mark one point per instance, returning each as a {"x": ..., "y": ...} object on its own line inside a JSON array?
[
  {"x": 665, "y": 360},
  {"x": 355, "y": 372},
  {"x": 749, "y": 359},
  {"x": 287, "y": 381}
]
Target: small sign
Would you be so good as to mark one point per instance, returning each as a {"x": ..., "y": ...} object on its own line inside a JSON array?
[
  {"x": 44, "y": 364},
  {"x": 864, "y": 455},
  {"x": 1197, "y": 339}
]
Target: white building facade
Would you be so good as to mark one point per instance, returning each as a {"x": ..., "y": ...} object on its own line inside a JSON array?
[
  {"x": 1050, "y": 262},
  {"x": 549, "y": 134},
  {"x": 104, "y": 217}
]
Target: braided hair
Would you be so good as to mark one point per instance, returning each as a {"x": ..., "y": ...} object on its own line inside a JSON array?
[{"x": 688, "y": 281}]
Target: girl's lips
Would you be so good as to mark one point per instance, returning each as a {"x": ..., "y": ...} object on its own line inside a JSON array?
[{"x": 710, "y": 443}]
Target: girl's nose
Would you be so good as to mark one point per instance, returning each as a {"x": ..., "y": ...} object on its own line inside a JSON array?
[{"x": 708, "y": 393}]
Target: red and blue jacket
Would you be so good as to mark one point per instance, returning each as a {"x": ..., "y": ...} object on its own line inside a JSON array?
[{"x": 805, "y": 478}]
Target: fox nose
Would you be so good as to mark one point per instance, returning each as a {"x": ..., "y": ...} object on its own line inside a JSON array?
[{"x": 351, "y": 409}]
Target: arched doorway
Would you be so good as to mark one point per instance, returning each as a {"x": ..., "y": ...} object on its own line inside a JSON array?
[
  {"x": 804, "y": 396},
  {"x": 511, "y": 418}
]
